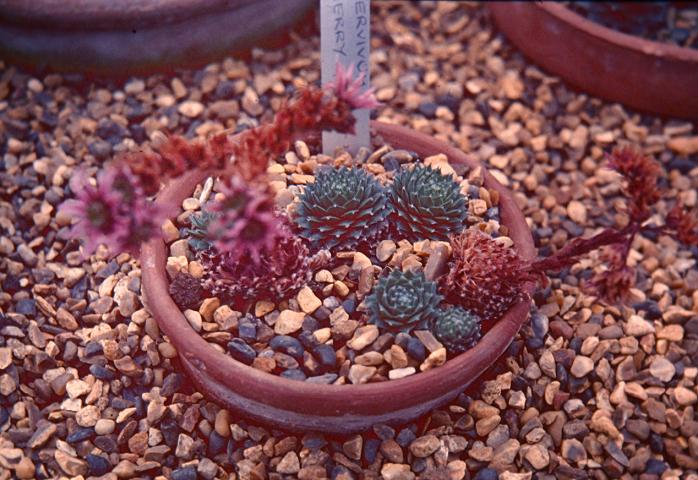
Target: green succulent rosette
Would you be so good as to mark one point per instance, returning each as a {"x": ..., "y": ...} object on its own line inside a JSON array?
[
  {"x": 458, "y": 329},
  {"x": 426, "y": 204},
  {"x": 342, "y": 208},
  {"x": 403, "y": 301}
]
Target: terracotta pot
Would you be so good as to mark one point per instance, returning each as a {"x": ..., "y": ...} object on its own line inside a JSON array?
[
  {"x": 296, "y": 405},
  {"x": 643, "y": 74},
  {"x": 136, "y": 36}
]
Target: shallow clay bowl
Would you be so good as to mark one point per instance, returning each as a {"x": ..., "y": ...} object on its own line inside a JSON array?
[
  {"x": 644, "y": 74},
  {"x": 300, "y": 406}
]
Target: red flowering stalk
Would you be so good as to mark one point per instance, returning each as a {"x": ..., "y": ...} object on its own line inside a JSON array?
[
  {"x": 313, "y": 110},
  {"x": 117, "y": 213},
  {"x": 487, "y": 278}
]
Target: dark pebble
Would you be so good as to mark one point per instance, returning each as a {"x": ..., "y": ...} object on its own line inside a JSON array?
[
  {"x": 216, "y": 444},
  {"x": 492, "y": 213},
  {"x": 416, "y": 350},
  {"x": 322, "y": 313},
  {"x": 405, "y": 437},
  {"x": 287, "y": 344},
  {"x": 307, "y": 339},
  {"x": 100, "y": 149},
  {"x": 371, "y": 447},
  {"x": 171, "y": 384},
  {"x": 534, "y": 343},
  {"x": 247, "y": 330},
  {"x": 419, "y": 465},
  {"x": 656, "y": 443},
  {"x": 540, "y": 325},
  {"x": 384, "y": 432},
  {"x": 11, "y": 284},
  {"x": 169, "y": 429},
  {"x": 80, "y": 434},
  {"x": 102, "y": 373},
  {"x": 391, "y": 164},
  {"x": 26, "y": 306},
  {"x": 80, "y": 289},
  {"x": 349, "y": 304},
  {"x": 92, "y": 349},
  {"x": 186, "y": 473},
  {"x": 106, "y": 443},
  {"x": 4, "y": 415},
  {"x": 98, "y": 465},
  {"x": 655, "y": 467},
  {"x": 313, "y": 441},
  {"x": 325, "y": 355},
  {"x": 428, "y": 109},
  {"x": 241, "y": 351},
  {"x": 294, "y": 374},
  {"x": 310, "y": 324},
  {"x": 486, "y": 474},
  {"x": 340, "y": 472}
]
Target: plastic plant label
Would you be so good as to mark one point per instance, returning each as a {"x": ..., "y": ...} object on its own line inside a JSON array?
[{"x": 345, "y": 27}]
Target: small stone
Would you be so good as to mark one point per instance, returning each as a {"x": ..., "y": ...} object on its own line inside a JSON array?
[
  {"x": 77, "y": 388},
  {"x": 43, "y": 433},
  {"x": 428, "y": 339},
  {"x": 581, "y": 366},
  {"x": 185, "y": 447},
  {"x": 363, "y": 337},
  {"x": 191, "y": 109},
  {"x": 104, "y": 426},
  {"x": 538, "y": 456},
  {"x": 637, "y": 326},
  {"x": 435, "y": 359},
  {"x": 208, "y": 308},
  {"x": 87, "y": 416},
  {"x": 577, "y": 212},
  {"x": 241, "y": 351},
  {"x": 308, "y": 301},
  {"x": 573, "y": 450},
  {"x": 396, "y": 471},
  {"x": 685, "y": 396},
  {"x": 385, "y": 250},
  {"x": 485, "y": 425},
  {"x": 398, "y": 357},
  {"x": 425, "y": 446},
  {"x": 194, "y": 319},
  {"x": 69, "y": 464},
  {"x": 684, "y": 145},
  {"x": 662, "y": 369},
  {"x": 401, "y": 373},
  {"x": 289, "y": 464},
  {"x": 359, "y": 374},
  {"x": 25, "y": 469},
  {"x": 5, "y": 358},
  {"x": 288, "y": 322},
  {"x": 369, "y": 359},
  {"x": 352, "y": 448}
]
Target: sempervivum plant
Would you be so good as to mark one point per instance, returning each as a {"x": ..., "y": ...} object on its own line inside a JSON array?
[
  {"x": 281, "y": 271},
  {"x": 403, "y": 301},
  {"x": 484, "y": 275},
  {"x": 197, "y": 232},
  {"x": 427, "y": 204},
  {"x": 341, "y": 208},
  {"x": 457, "y": 328}
]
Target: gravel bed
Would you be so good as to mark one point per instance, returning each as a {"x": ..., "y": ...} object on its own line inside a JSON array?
[{"x": 89, "y": 387}]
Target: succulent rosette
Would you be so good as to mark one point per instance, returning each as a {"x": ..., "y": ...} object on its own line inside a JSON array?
[
  {"x": 342, "y": 208},
  {"x": 403, "y": 301},
  {"x": 426, "y": 204},
  {"x": 458, "y": 329}
]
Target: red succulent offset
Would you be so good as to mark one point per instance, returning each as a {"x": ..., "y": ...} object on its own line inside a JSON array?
[
  {"x": 351, "y": 89},
  {"x": 641, "y": 173}
]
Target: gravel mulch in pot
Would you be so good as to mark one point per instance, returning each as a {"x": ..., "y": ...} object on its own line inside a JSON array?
[
  {"x": 320, "y": 333},
  {"x": 89, "y": 385}
]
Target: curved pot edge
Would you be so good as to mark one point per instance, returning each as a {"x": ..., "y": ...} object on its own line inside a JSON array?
[{"x": 324, "y": 401}]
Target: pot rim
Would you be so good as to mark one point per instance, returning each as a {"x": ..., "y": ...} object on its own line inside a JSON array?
[
  {"x": 282, "y": 391},
  {"x": 632, "y": 42}
]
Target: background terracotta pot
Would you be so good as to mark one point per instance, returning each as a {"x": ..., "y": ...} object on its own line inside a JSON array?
[
  {"x": 136, "y": 36},
  {"x": 643, "y": 74},
  {"x": 296, "y": 405}
]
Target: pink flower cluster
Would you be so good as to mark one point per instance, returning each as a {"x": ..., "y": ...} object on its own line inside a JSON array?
[
  {"x": 246, "y": 225},
  {"x": 115, "y": 212}
]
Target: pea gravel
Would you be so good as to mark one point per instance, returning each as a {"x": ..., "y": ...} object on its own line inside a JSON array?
[{"x": 89, "y": 387}]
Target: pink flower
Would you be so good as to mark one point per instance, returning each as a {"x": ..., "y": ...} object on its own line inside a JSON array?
[
  {"x": 116, "y": 212},
  {"x": 96, "y": 211},
  {"x": 348, "y": 88},
  {"x": 246, "y": 225}
]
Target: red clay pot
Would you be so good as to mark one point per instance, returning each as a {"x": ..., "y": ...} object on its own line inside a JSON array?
[
  {"x": 643, "y": 74},
  {"x": 295, "y": 405},
  {"x": 119, "y": 38}
]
